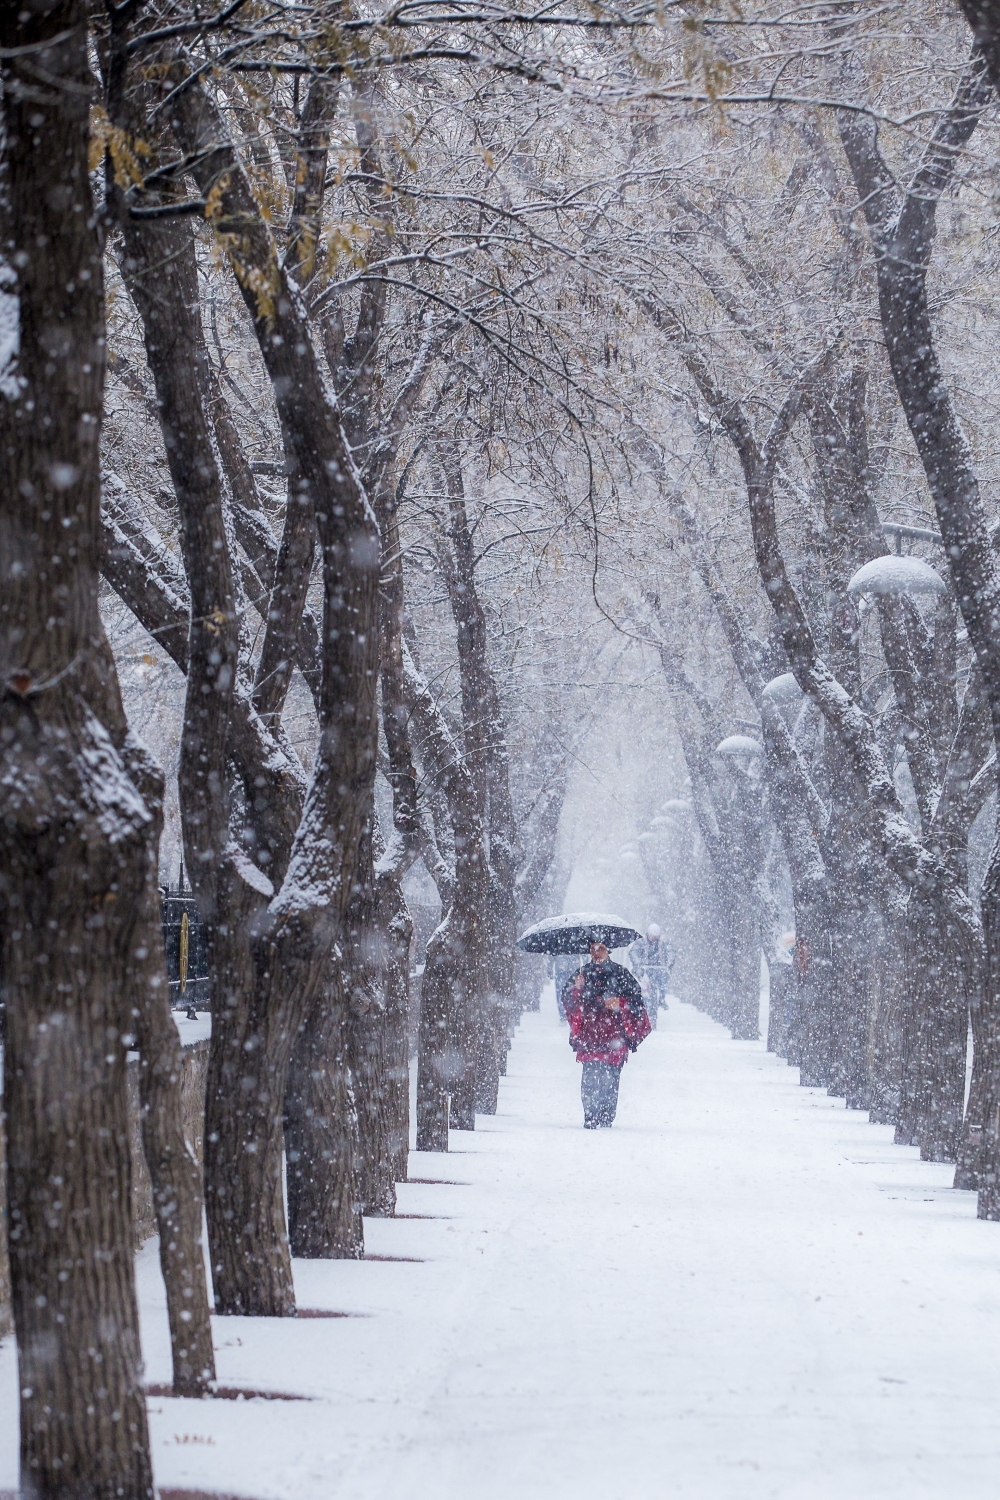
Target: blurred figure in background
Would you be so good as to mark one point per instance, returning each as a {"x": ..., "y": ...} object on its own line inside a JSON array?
[
  {"x": 652, "y": 959},
  {"x": 563, "y": 966}
]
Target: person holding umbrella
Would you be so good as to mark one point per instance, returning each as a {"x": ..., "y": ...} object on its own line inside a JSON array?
[
  {"x": 607, "y": 1020},
  {"x": 603, "y": 1004}
]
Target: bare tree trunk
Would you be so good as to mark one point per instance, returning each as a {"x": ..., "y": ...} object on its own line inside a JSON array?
[
  {"x": 6, "y": 1320},
  {"x": 320, "y": 1115},
  {"x": 370, "y": 1068},
  {"x": 435, "y": 1066},
  {"x": 540, "y": 886},
  {"x": 839, "y": 428},
  {"x": 174, "y": 1170},
  {"x": 486, "y": 756},
  {"x": 175, "y": 348},
  {"x": 292, "y": 944},
  {"x": 243, "y": 1168},
  {"x": 246, "y": 1058},
  {"x": 888, "y": 982},
  {"x": 393, "y": 921},
  {"x": 321, "y": 1137},
  {"x": 76, "y": 839},
  {"x": 746, "y": 840},
  {"x": 934, "y": 1036},
  {"x": 368, "y": 1048},
  {"x": 251, "y": 1268},
  {"x": 804, "y": 1036},
  {"x": 455, "y": 977},
  {"x": 389, "y": 907},
  {"x": 919, "y": 867},
  {"x": 848, "y": 907},
  {"x": 781, "y": 992},
  {"x": 902, "y": 226}
]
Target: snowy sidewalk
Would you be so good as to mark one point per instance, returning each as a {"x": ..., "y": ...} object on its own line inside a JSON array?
[{"x": 741, "y": 1291}]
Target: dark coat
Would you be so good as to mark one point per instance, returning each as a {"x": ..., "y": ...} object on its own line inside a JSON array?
[{"x": 597, "y": 1033}]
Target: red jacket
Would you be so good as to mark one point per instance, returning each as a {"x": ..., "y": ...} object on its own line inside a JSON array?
[{"x": 604, "y": 1035}]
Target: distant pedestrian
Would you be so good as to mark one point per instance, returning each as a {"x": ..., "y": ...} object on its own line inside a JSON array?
[
  {"x": 564, "y": 966},
  {"x": 607, "y": 1021},
  {"x": 653, "y": 957}
]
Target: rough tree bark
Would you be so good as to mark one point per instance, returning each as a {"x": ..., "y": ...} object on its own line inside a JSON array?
[
  {"x": 161, "y": 273},
  {"x": 321, "y": 1136},
  {"x": 839, "y": 431},
  {"x": 802, "y": 1035},
  {"x": 919, "y": 867},
  {"x": 486, "y": 755},
  {"x": 323, "y": 1127},
  {"x": 375, "y": 945},
  {"x": 455, "y": 976},
  {"x": 76, "y": 839},
  {"x": 173, "y": 1167},
  {"x": 279, "y": 944},
  {"x": 364, "y": 973},
  {"x": 902, "y": 224}
]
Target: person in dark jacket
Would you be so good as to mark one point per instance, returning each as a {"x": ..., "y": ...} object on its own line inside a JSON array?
[{"x": 607, "y": 1020}]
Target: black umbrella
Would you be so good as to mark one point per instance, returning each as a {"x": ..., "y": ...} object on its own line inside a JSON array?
[{"x": 575, "y": 932}]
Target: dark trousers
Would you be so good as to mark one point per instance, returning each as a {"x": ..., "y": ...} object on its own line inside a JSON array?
[{"x": 599, "y": 1092}]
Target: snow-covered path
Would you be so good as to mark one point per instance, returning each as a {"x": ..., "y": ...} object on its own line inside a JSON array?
[{"x": 741, "y": 1291}]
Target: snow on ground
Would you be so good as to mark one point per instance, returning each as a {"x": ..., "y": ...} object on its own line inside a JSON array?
[
  {"x": 742, "y": 1291},
  {"x": 197, "y": 1030}
]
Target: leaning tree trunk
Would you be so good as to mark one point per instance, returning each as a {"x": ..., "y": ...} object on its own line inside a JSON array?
[
  {"x": 902, "y": 226},
  {"x": 285, "y": 959},
  {"x": 250, "y": 1030},
  {"x": 243, "y": 1159},
  {"x": 76, "y": 840},
  {"x": 919, "y": 867}
]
